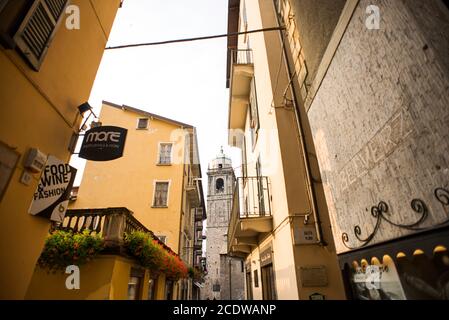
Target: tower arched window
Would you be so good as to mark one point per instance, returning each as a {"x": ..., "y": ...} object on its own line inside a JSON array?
[{"x": 219, "y": 185}]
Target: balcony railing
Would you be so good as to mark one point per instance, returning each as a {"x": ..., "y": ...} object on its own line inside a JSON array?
[
  {"x": 193, "y": 194},
  {"x": 242, "y": 56},
  {"x": 198, "y": 215},
  {"x": 111, "y": 223},
  {"x": 251, "y": 202},
  {"x": 254, "y": 197}
]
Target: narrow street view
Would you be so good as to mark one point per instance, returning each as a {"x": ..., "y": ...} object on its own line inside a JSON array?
[{"x": 224, "y": 150}]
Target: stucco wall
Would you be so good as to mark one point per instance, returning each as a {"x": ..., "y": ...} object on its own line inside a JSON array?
[
  {"x": 39, "y": 110},
  {"x": 129, "y": 181},
  {"x": 380, "y": 119}
]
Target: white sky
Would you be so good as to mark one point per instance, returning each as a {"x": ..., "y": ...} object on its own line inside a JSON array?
[{"x": 184, "y": 81}]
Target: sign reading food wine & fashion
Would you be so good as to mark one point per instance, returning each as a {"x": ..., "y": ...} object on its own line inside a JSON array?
[{"x": 51, "y": 198}]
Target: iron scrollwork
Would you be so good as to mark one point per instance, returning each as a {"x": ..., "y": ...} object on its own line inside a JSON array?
[{"x": 381, "y": 213}]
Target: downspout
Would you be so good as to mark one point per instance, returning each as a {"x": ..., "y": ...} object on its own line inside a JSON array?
[{"x": 317, "y": 221}]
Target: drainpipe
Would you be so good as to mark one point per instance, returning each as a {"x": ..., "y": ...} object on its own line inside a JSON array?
[
  {"x": 305, "y": 152},
  {"x": 230, "y": 278}
]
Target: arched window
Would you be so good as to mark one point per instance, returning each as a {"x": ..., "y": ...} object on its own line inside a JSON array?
[{"x": 219, "y": 185}]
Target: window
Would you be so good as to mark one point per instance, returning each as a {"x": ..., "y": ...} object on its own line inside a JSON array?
[
  {"x": 219, "y": 185},
  {"x": 30, "y": 26},
  {"x": 165, "y": 153},
  {"x": 160, "y": 194},
  {"x": 162, "y": 239},
  {"x": 256, "y": 279},
  {"x": 245, "y": 22},
  {"x": 8, "y": 162},
  {"x": 152, "y": 289},
  {"x": 260, "y": 187},
  {"x": 244, "y": 159},
  {"x": 135, "y": 284},
  {"x": 142, "y": 123},
  {"x": 254, "y": 112}
]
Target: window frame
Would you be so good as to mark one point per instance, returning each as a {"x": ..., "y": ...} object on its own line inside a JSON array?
[
  {"x": 155, "y": 182},
  {"x": 253, "y": 109},
  {"x": 158, "y": 161},
  {"x": 138, "y": 121}
]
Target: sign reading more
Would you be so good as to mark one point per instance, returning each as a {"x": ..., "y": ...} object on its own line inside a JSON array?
[
  {"x": 103, "y": 143},
  {"x": 51, "y": 198}
]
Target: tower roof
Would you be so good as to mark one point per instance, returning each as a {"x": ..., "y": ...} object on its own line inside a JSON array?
[{"x": 221, "y": 161}]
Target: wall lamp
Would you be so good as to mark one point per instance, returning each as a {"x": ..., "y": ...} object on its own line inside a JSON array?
[{"x": 82, "y": 110}]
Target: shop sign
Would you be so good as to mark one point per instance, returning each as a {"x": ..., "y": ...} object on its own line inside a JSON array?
[
  {"x": 51, "y": 198},
  {"x": 266, "y": 257},
  {"x": 103, "y": 143}
]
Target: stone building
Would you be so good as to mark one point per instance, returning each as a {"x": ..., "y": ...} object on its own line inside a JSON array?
[{"x": 224, "y": 280}]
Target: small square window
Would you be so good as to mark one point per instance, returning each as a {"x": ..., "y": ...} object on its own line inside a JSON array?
[{"x": 142, "y": 123}]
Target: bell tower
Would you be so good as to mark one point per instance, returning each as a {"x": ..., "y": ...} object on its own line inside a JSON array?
[{"x": 224, "y": 278}]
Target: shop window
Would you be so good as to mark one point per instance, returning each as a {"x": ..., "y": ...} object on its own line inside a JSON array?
[{"x": 29, "y": 26}]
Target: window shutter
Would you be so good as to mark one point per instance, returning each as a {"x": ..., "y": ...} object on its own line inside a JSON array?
[{"x": 38, "y": 28}]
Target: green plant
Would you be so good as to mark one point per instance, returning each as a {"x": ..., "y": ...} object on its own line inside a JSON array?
[
  {"x": 64, "y": 248},
  {"x": 195, "y": 273}
]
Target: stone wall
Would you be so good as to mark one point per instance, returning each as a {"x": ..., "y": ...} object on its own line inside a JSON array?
[{"x": 380, "y": 119}]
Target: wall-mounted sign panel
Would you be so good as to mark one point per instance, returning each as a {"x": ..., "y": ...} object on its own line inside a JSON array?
[
  {"x": 52, "y": 195},
  {"x": 305, "y": 235},
  {"x": 103, "y": 143}
]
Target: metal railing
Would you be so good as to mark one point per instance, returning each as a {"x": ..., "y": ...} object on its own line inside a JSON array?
[
  {"x": 242, "y": 56},
  {"x": 251, "y": 200}
]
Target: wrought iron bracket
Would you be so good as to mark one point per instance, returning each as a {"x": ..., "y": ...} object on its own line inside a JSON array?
[{"x": 381, "y": 213}]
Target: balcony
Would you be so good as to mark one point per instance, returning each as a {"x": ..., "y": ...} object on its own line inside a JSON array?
[
  {"x": 250, "y": 215},
  {"x": 111, "y": 223},
  {"x": 198, "y": 245},
  {"x": 199, "y": 216},
  {"x": 242, "y": 71},
  {"x": 193, "y": 194}
]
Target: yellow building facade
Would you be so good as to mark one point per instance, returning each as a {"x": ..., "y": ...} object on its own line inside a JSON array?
[
  {"x": 45, "y": 75},
  {"x": 158, "y": 179},
  {"x": 279, "y": 222}
]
